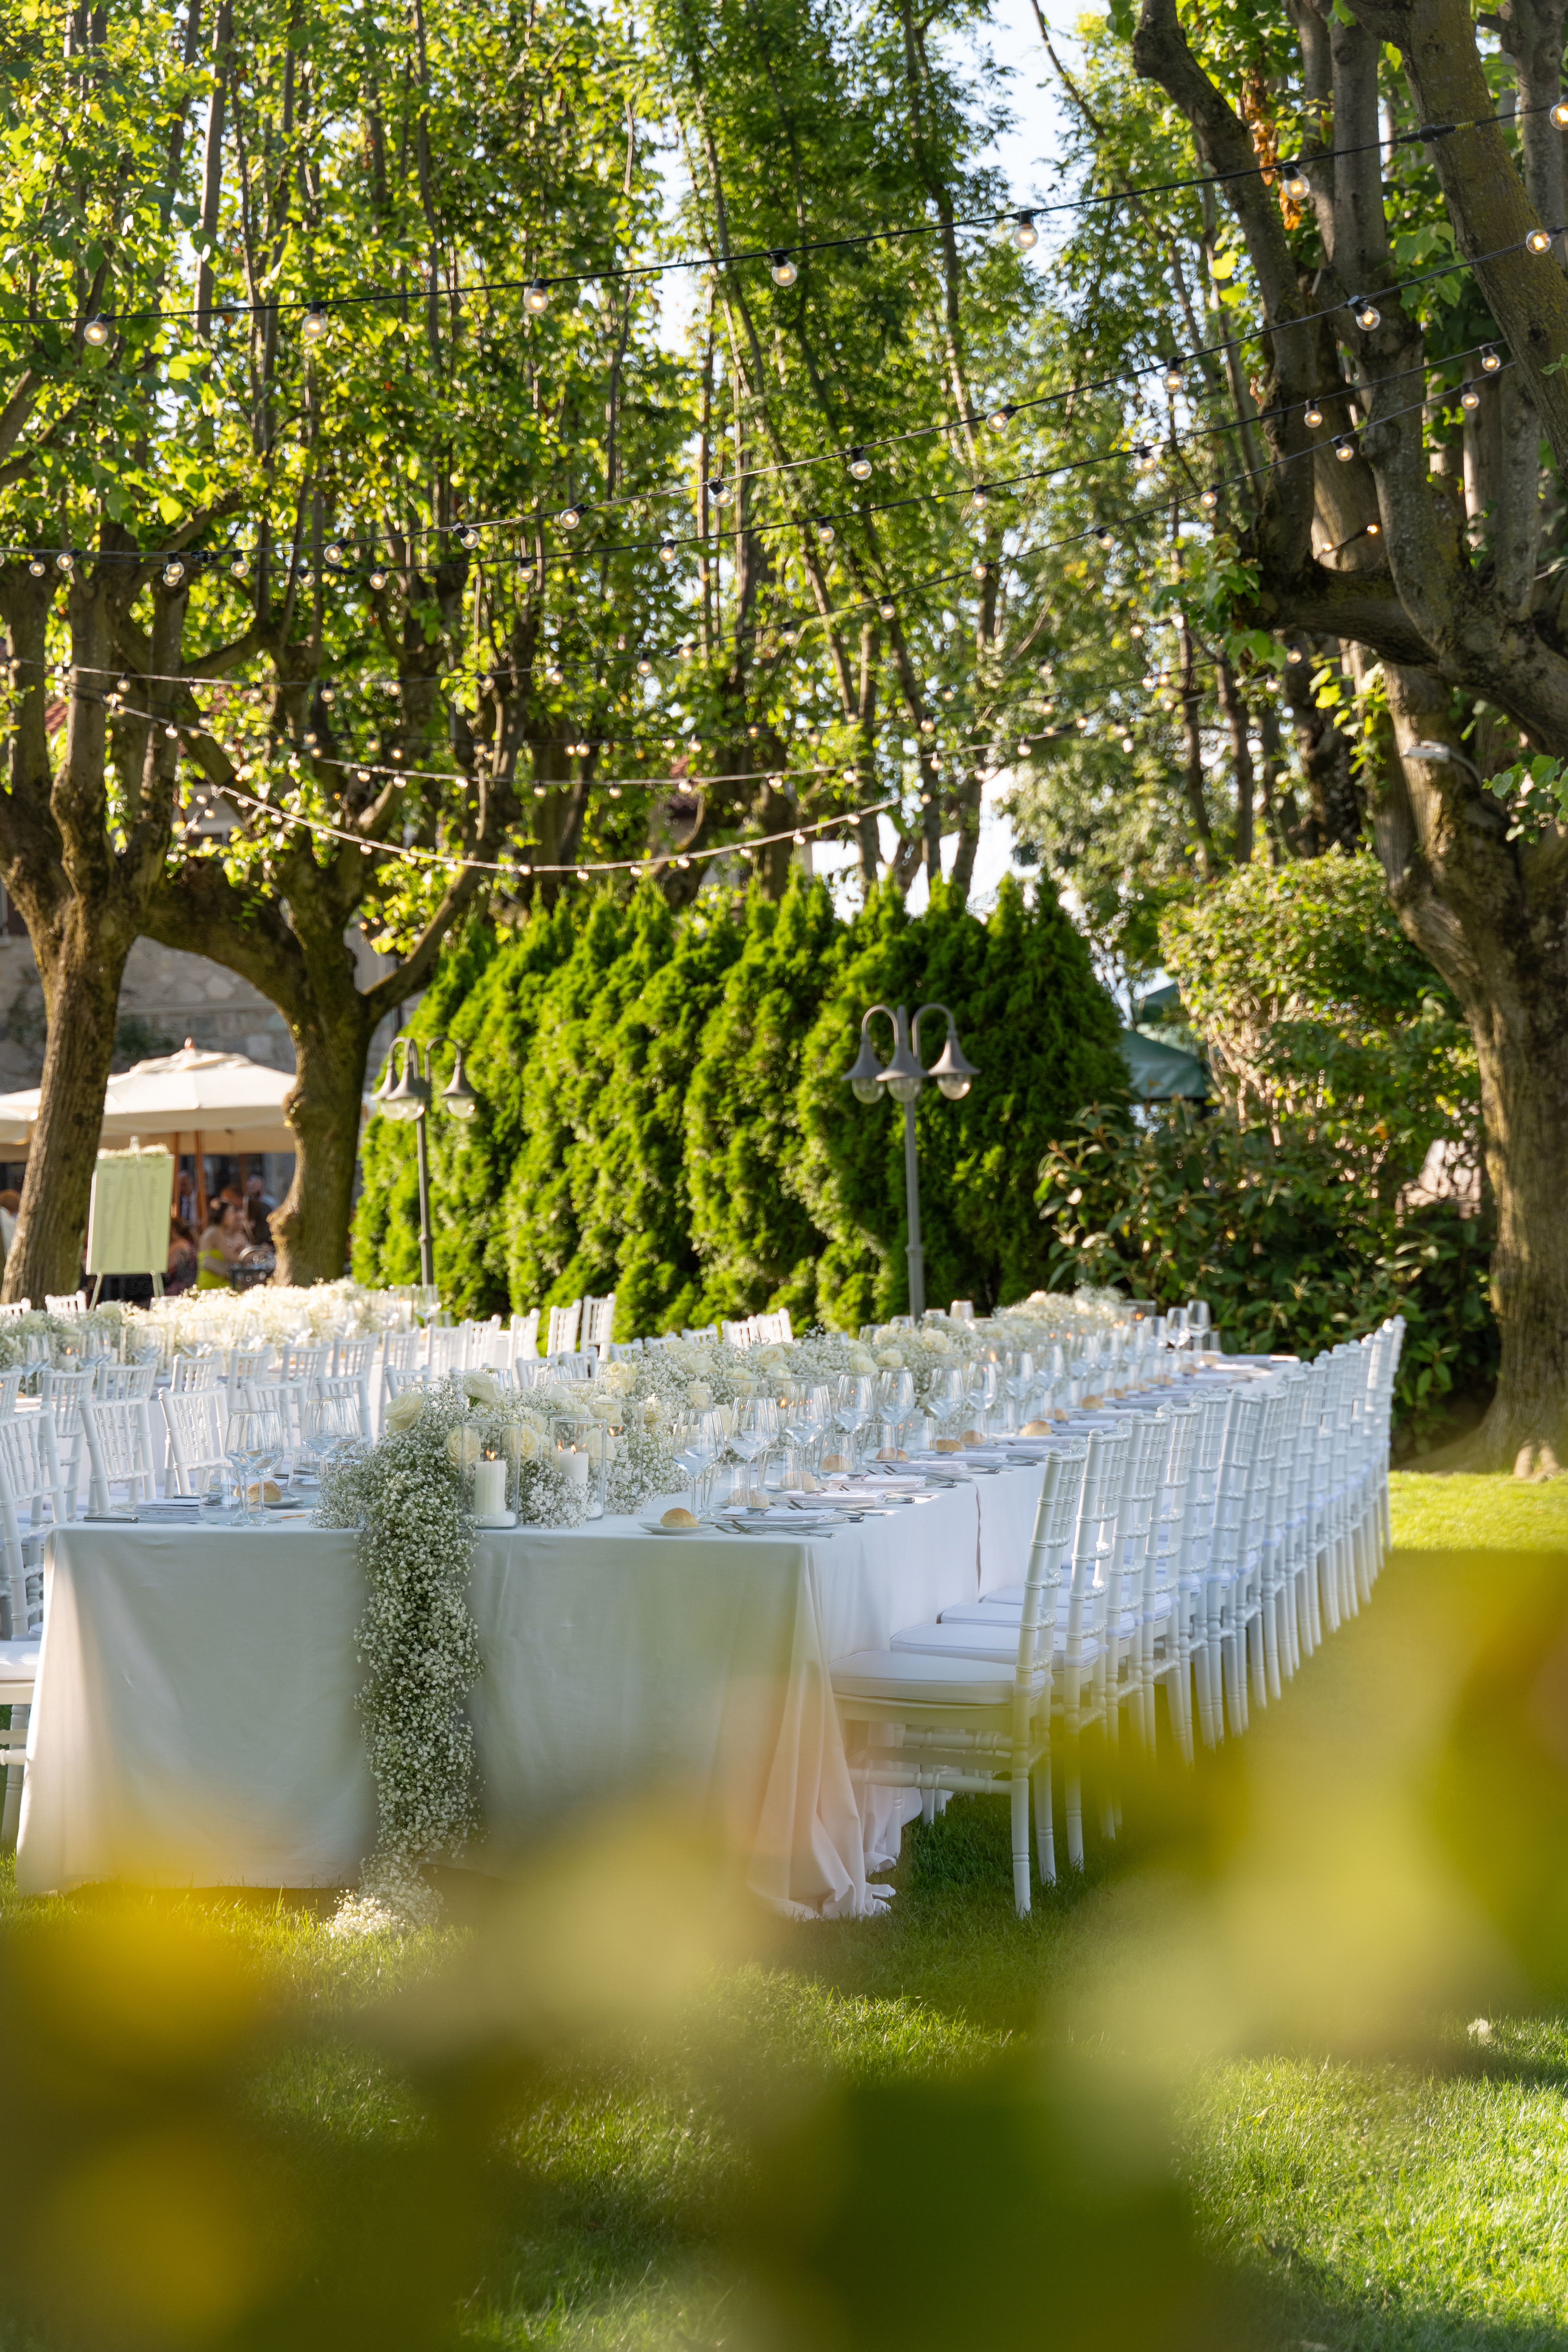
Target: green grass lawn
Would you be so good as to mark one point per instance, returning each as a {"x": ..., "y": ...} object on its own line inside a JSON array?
[{"x": 1275, "y": 1955}]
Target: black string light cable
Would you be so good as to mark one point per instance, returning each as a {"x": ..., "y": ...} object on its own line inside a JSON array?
[
  {"x": 318, "y": 309},
  {"x": 1363, "y": 308}
]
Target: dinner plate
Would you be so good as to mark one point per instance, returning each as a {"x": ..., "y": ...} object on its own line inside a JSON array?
[{"x": 657, "y": 1528}]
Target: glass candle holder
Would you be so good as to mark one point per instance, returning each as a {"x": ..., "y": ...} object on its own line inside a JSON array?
[{"x": 582, "y": 1454}]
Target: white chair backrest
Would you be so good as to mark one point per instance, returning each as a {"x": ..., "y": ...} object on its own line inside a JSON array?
[
  {"x": 111, "y": 1381},
  {"x": 580, "y": 1366},
  {"x": 524, "y": 1336},
  {"x": 245, "y": 1364},
  {"x": 15, "y": 1307},
  {"x": 563, "y": 1326},
  {"x": 120, "y": 1449},
  {"x": 599, "y": 1322},
  {"x": 397, "y": 1379},
  {"x": 352, "y": 1356},
  {"x": 62, "y": 1393},
  {"x": 195, "y": 1418},
  {"x": 1237, "y": 1469},
  {"x": 403, "y": 1352},
  {"x": 70, "y": 1303},
  {"x": 447, "y": 1350},
  {"x": 30, "y": 1479},
  {"x": 10, "y": 1387},
  {"x": 287, "y": 1398},
  {"x": 344, "y": 1401},
  {"x": 301, "y": 1360},
  {"x": 208, "y": 1370},
  {"x": 1061, "y": 1489}
]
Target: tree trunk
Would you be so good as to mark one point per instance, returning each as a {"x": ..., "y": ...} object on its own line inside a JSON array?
[
  {"x": 310, "y": 1227},
  {"x": 1492, "y": 915},
  {"x": 81, "y": 979}
]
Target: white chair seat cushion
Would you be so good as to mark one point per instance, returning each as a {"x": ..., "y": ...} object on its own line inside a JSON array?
[
  {"x": 979, "y": 1642},
  {"x": 18, "y": 1669},
  {"x": 924, "y": 1680}
]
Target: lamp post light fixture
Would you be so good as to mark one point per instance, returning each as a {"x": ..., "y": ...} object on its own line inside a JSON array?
[
  {"x": 904, "y": 1078},
  {"x": 409, "y": 1098}
]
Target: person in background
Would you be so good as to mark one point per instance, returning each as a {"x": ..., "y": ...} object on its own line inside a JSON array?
[
  {"x": 258, "y": 1206},
  {"x": 9, "y": 1204},
  {"x": 224, "y": 1245},
  {"x": 181, "y": 1270}
]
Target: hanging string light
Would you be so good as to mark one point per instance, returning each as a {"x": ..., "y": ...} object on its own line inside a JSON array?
[
  {"x": 97, "y": 331},
  {"x": 859, "y": 465},
  {"x": 1367, "y": 314},
  {"x": 1026, "y": 235},
  {"x": 536, "y": 297},
  {"x": 315, "y": 323},
  {"x": 781, "y": 269}
]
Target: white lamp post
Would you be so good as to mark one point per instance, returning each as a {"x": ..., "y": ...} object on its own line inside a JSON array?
[{"x": 904, "y": 1078}]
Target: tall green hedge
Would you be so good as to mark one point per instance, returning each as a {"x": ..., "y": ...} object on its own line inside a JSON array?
[{"x": 664, "y": 1111}]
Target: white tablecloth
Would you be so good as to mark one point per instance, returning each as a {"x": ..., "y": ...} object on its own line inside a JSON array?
[{"x": 194, "y": 1720}]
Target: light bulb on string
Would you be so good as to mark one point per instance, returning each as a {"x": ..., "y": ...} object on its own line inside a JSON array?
[
  {"x": 1026, "y": 235},
  {"x": 1001, "y": 417},
  {"x": 536, "y": 299},
  {"x": 1208, "y": 497},
  {"x": 467, "y": 536},
  {"x": 781, "y": 269},
  {"x": 826, "y": 533},
  {"x": 554, "y": 674},
  {"x": 237, "y": 568},
  {"x": 887, "y": 609},
  {"x": 979, "y": 568},
  {"x": 1489, "y": 360},
  {"x": 569, "y": 518},
  {"x": 315, "y": 324},
  {"x": 1296, "y": 184},
  {"x": 1538, "y": 241},
  {"x": 719, "y": 491},
  {"x": 332, "y": 552},
  {"x": 1367, "y": 314},
  {"x": 928, "y": 725},
  {"x": 789, "y": 635},
  {"x": 645, "y": 668},
  {"x": 37, "y": 566},
  {"x": 1469, "y": 398},
  {"x": 1105, "y": 539},
  {"x": 173, "y": 574},
  {"x": 97, "y": 331},
  {"x": 1344, "y": 448},
  {"x": 979, "y": 497},
  {"x": 859, "y": 465},
  {"x": 1313, "y": 415},
  {"x": 329, "y": 695},
  {"x": 1560, "y": 116},
  {"x": 64, "y": 559},
  {"x": 172, "y": 732},
  {"x": 1145, "y": 459},
  {"x": 666, "y": 551},
  {"x": 378, "y": 578}
]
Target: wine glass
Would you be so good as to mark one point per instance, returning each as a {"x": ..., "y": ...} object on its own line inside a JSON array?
[{"x": 247, "y": 1448}]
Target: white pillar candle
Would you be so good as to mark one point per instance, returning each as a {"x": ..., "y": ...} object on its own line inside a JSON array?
[
  {"x": 576, "y": 1465},
  {"x": 490, "y": 1489}
]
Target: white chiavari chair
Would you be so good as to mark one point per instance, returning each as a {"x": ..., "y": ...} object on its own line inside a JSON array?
[
  {"x": 72, "y": 1302},
  {"x": 30, "y": 1481},
  {"x": 397, "y": 1380},
  {"x": 10, "y": 1389},
  {"x": 599, "y": 1322},
  {"x": 355, "y": 1360},
  {"x": 401, "y": 1352},
  {"x": 15, "y": 1309},
  {"x": 119, "y": 1453},
  {"x": 62, "y": 1393},
  {"x": 1278, "y": 1599},
  {"x": 301, "y": 1360},
  {"x": 447, "y": 1350},
  {"x": 243, "y": 1364},
  {"x": 564, "y": 1321},
  {"x": 113, "y": 1381},
  {"x": 287, "y": 1400},
  {"x": 207, "y": 1370},
  {"x": 977, "y": 1723},
  {"x": 340, "y": 1404},
  {"x": 524, "y": 1337},
  {"x": 196, "y": 1419}
]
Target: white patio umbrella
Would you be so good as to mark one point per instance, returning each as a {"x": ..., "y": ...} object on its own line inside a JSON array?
[{"x": 222, "y": 1101}]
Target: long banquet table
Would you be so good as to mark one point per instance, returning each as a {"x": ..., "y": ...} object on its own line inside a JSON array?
[{"x": 194, "y": 1720}]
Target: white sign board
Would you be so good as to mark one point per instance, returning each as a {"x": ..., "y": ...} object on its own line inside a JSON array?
[{"x": 128, "y": 1224}]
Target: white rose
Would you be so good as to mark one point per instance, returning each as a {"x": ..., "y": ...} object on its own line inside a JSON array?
[
  {"x": 890, "y": 1359},
  {"x": 404, "y": 1409},
  {"x": 619, "y": 1379},
  {"x": 861, "y": 1361},
  {"x": 527, "y": 1440},
  {"x": 481, "y": 1388},
  {"x": 700, "y": 1395},
  {"x": 463, "y": 1447}
]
